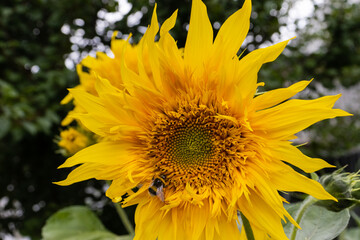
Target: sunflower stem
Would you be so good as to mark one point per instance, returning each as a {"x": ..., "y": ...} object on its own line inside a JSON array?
[
  {"x": 300, "y": 213},
  {"x": 124, "y": 218},
  {"x": 247, "y": 227}
]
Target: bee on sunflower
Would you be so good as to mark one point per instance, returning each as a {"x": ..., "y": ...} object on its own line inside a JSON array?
[{"x": 187, "y": 128}]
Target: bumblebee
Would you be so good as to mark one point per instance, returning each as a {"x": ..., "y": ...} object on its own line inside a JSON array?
[{"x": 156, "y": 187}]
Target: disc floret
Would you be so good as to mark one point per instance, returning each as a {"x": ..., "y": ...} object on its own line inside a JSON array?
[{"x": 190, "y": 144}]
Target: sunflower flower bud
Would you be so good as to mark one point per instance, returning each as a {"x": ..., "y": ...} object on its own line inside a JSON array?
[
  {"x": 344, "y": 186},
  {"x": 356, "y": 190}
]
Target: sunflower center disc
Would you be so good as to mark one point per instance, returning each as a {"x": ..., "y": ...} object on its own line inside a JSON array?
[{"x": 189, "y": 147}]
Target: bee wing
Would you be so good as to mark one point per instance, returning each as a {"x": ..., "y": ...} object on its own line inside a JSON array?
[{"x": 160, "y": 193}]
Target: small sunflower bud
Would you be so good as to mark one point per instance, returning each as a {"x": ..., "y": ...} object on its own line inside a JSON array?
[
  {"x": 344, "y": 186},
  {"x": 356, "y": 190}
]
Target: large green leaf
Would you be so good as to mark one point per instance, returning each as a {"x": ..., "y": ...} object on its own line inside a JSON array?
[
  {"x": 77, "y": 223},
  {"x": 317, "y": 223}
]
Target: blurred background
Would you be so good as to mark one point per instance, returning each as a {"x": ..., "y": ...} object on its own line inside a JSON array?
[{"x": 41, "y": 41}]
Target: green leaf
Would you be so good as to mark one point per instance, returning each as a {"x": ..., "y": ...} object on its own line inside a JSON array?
[
  {"x": 350, "y": 234},
  {"x": 317, "y": 223},
  {"x": 292, "y": 210},
  {"x": 77, "y": 223},
  {"x": 98, "y": 235},
  {"x": 5, "y": 126},
  {"x": 30, "y": 127}
]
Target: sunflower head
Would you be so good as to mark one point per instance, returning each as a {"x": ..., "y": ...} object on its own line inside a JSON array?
[
  {"x": 72, "y": 140},
  {"x": 186, "y": 124}
]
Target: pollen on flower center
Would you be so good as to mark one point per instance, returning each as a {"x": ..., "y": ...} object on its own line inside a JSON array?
[{"x": 190, "y": 144}]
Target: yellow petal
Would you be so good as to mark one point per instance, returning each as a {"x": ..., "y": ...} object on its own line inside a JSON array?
[
  {"x": 128, "y": 76},
  {"x": 168, "y": 24},
  {"x": 233, "y": 32},
  {"x": 88, "y": 171},
  {"x": 79, "y": 174},
  {"x": 92, "y": 105},
  {"x": 149, "y": 39},
  {"x": 265, "y": 188},
  {"x": 271, "y": 98},
  {"x": 262, "y": 215},
  {"x": 200, "y": 36},
  {"x": 228, "y": 229},
  {"x": 106, "y": 153},
  {"x": 169, "y": 56},
  {"x": 154, "y": 25},
  {"x": 167, "y": 228},
  {"x": 293, "y": 116},
  {"x": 259, "y": 234},
  {"x": 249, "y": 66},
  {"x": 102, "y": 113},
  {"x": 286, "y": 179},
  {"x": 116, "y": 102},
  {"x": 89, "y": 122},
  {"x": 68, "y": 119},
  {"x": 229, "y": 118},
  {"x": 147, "y": 220},
  {"x": 262, "y": 55},
  {"x": 66, "y": 99},
  {"x": 209, "y": 229},
  {"x": 197, "y": 218},
  {"x": 103, "y": 85},
  {"x": 120, "y": 186},
  {"x": 117, "y": 45},
  {"x": 172, "y": 63},
  {"x": 291, "y": 154}
]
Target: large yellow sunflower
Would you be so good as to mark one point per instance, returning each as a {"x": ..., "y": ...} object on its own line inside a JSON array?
[{"x": 186, "y": 129}]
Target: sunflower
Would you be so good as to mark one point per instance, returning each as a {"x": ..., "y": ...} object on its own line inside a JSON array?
[
  {"x": 187, "y": 129},
  {"x": 72, "y": 140}
]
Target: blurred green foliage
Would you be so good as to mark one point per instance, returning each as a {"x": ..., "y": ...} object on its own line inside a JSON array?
[{"x": 37, "y": 37}]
